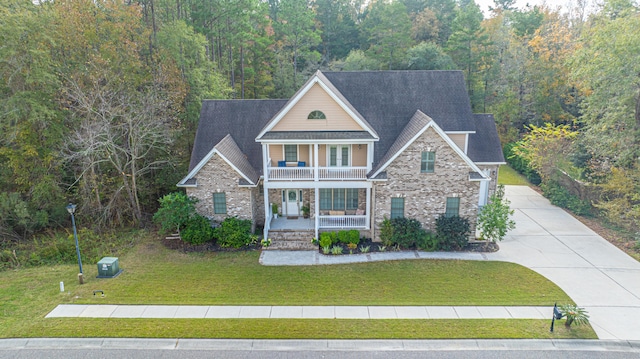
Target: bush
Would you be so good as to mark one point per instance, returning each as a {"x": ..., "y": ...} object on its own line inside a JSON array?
[
  {"x": 428, "y": 241},
  {"x": 520, "y": 164},
  {"x": 354, "y": 236},
  {"x": 386, "y": 232},
  {"x": 325, "y": 239},
  {"x": 176, "y": 210},
  {"x": 453, "y": 232},
  {"x": 494, "y": 219},
  {"x": 197, "y": 230},
  {"x": 343, "y": 237},
  {"x": 561, "y": 197},
  {"x": 406, "y": 232},
  {"x": 234, "y": 232}
]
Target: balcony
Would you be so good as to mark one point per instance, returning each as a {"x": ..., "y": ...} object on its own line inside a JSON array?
[{"x": 323, "y": 173}]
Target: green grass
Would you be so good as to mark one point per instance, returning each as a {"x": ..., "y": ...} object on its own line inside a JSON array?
[
  {"x": 508, "y": 176},
  {"x": 155, "y": 275}
]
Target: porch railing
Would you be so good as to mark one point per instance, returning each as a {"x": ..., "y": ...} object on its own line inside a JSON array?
[
  {"x": 342, "y": 173},
  {"x": 347, "y": 221},
  {"x": 308, "y": 173},
  {"x": 290, "y": 173}
]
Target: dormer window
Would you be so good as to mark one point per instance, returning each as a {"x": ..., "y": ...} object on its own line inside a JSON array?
[{"x": 316, "y": 115}]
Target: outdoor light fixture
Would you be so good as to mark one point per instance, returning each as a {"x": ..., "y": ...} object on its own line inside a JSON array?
[{"x": 71, "y": 208}]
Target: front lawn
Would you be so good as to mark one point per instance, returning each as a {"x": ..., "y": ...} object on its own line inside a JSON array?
[{"x": 154, "y": 275}]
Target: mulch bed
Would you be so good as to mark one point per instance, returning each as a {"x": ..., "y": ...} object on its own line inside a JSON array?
[
  {"x": 179, "y": 245},
  {"x": 478, "y": 246}
]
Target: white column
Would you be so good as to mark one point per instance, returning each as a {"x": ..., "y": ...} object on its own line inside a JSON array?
[
  {"x": 368, "y": 211},
  {"x": 317, "y": 209},
  {"x": 315, "y": 168},
  {"x": 369, "y": 156},
  {"x": 267, "y": 212},
  {"x": 265, "y": 162}
]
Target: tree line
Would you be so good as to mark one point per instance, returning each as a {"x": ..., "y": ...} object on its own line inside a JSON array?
[{"x": 99, "y": 99}]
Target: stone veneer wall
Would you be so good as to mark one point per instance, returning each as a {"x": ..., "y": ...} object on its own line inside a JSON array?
[
  {"x": 426, "y": 193},
  {"x": 218, "y": 176}
]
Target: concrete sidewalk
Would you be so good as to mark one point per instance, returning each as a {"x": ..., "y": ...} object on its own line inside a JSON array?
[{"x": 301, "y": 312}]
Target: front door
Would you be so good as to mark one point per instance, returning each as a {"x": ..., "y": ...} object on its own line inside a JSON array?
[{"x": 292, "y": 202}]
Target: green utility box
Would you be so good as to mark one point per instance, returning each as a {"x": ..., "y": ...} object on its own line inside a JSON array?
[{"x": 108, "y": 267}]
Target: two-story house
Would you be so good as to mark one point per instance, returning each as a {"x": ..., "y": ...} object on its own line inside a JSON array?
[{"x": 349, "y": 149}]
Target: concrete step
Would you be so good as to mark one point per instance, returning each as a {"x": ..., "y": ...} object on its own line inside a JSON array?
[{"x": 292, "y": 239}]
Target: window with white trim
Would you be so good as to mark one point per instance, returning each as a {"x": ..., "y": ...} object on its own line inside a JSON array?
[
  {"x": 427, "y": 164},
  {"x": 453, "y": 207},
  {"x": 338, "y": 199},
  {"x": 397, "y": 207},
  {"x": 316, "y": 115},
  {"x": 291, "y": 153}
]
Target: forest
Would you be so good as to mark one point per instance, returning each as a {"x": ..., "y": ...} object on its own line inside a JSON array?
[{"x": 99, "y": 99}]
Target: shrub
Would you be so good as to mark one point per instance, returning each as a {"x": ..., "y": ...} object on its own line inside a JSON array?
[
  {"x": 453, "y": 232},
  {"x": 234, "y": 232},
  {"x": 354, "y": 236},
  {"x": 561, "y": 197},
  {"x": 428, "y": 241},
  {"x": 336, "y": 250},
  {"x": 386, "y": 232},
  {"x": 325, "y": 239},
  {"x": 494, "y": 219},
  {"x": 406, "y": 232},
  {"x": 176, "y": 209},
  {"x": 574, "y": 314},
  {"x": 343, "y": 237},
  {"x": 520, "y": 164},
  {"x": 197, "y": 230}
]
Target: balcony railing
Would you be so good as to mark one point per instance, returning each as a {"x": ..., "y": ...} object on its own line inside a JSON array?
[
  {"x": 324, "y": 173},
  {"x": 346, "y": 221}
]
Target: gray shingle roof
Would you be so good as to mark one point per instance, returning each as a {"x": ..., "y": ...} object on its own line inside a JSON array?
[
  {"x": 415, "y": 125},
  {"x": 242, "y": 119},
  {"x": 484, "y": 145},
  {"x": 386, "y": 100},
  {"x": 230, "y": 150}
]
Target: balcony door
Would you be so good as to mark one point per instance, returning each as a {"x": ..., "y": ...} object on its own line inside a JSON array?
[{"x": 339, "y": 155}]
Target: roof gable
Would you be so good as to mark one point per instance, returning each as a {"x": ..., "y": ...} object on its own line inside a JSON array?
[
  {"x": 229, "y": 151},
  {"x": 317, "y": 99},
  {"x": 319, "y": 80},
  {"x": 418, "y": 124}
]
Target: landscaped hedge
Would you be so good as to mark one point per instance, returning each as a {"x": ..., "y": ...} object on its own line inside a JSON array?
[
  {"x": 452, "y": 232},
  {"x": 520, "y": 164},
  {"x": 407, "y": 233},
  {"x": 235, "y": 233}
]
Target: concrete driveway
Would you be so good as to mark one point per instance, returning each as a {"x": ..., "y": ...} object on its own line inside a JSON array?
[{"x": 594, "y": 273}]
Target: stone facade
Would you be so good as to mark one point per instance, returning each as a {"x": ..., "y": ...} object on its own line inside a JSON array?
[
  {"x": 218, "y": 176},
  {"x": 425, "y": 194}
]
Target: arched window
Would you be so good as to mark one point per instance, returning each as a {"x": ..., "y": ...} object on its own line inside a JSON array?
[{"x": 316, "y": 115}]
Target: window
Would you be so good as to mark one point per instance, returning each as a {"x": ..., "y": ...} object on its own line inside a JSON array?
[
  {"x": 338, "y": 199},
  {"x": 316, "y": 115},
  {"x": 339, "y": 156},
  {"x": 291, "y": 153},
  {"x": 453, "y": 207},
  {"x": 397, "y": 207},
  {"x": 428, "y": 162},
  {"x": 219, "y": 203}
]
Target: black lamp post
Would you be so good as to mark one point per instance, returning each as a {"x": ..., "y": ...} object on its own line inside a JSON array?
[{"x": 71, "y": 208}]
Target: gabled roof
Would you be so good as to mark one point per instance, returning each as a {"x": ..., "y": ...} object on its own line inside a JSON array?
[
  {"x": 484, "y": 145},
  {"x": 229, "y": 151},
  {"x": 388, "y": 100},
  {"x": 241, "y": 119},
  {"x": 322, "y": 81},
  {"x": 384, "y": 101},
  {"x": 418, "y": 124}
]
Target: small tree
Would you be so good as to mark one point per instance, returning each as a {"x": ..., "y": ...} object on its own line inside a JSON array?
[
  {"x": 574, "y": 314},
  {"x": 494, "y": 220},
  {"x": 176, "y": 209}
]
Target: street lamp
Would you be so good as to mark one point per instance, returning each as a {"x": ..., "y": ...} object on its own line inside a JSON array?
[{"x": 71, "y": 208}]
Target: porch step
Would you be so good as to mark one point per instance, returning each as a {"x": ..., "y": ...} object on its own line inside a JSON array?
[{"x": 292, "y": 239}]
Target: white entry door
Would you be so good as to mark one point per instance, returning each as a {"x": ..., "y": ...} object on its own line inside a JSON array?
[{"x": 292, "y": 205}]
